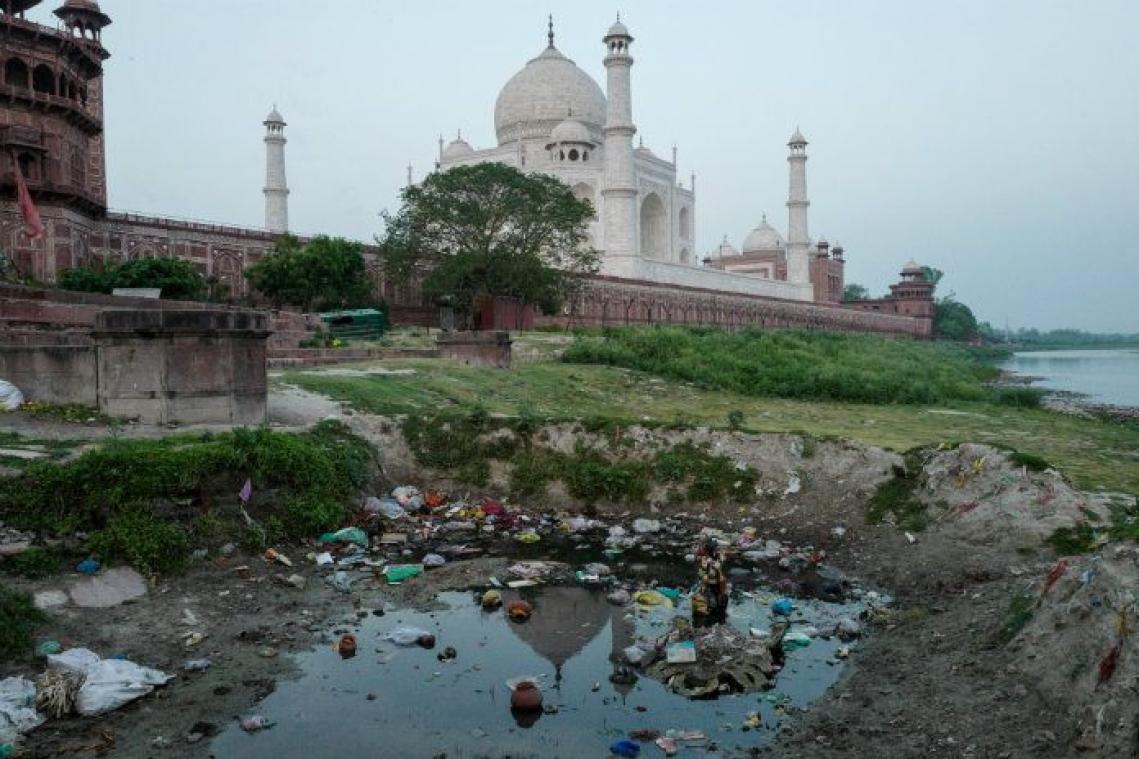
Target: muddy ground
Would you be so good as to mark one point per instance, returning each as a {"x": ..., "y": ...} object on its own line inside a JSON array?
[{"x": 930, "y": 681}]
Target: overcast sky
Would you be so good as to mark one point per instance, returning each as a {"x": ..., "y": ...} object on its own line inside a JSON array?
[{"x": 996, "y": 140}]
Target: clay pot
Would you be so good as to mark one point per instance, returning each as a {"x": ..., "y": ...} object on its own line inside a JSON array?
[
  {"x": 346, "y": 646},
  {"x": 526, "y": 697},
  {"x": 425, "y": 641},
  {"x": 492, "y": 599},
  {"x": 519, "y": 611}
]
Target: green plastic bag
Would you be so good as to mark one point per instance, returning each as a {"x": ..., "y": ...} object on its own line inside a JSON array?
[
  {"x": 403, "y": 572},
  {"x": 347, "y": 535}
]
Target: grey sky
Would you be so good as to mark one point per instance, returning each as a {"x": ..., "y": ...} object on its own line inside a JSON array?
[{"x": 998, "y": 141}]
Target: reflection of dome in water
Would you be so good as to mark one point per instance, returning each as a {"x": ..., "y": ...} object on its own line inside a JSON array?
[{"x": 566, "y": 620}]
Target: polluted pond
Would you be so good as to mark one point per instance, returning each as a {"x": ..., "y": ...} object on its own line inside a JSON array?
[{"x": 578, "y": 640}]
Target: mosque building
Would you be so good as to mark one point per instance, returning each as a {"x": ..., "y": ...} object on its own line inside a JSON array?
[{"x": 553, "y": 117}]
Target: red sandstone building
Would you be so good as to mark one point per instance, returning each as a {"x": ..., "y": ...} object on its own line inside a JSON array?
[{"x": 51, "y": 127}]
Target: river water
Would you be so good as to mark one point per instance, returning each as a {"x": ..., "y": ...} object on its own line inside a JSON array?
[{"x": 1106, "y": 376}]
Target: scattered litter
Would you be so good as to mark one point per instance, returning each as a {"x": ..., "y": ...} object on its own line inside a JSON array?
[
  {"x": 643, "y": 526},
  {"x": 519, "y": 611},
  {"x": 433, "y": 560},
  {"x": 393, "y": 539},
  {"x": 297, "y": 581},
  {"x": 48, "y": 648},
  {"x": 113, "y": 587},
  {"x": 255, "y": 723},
  {"x": 796, "y": 639},
  {"x": 619, "y": 597},
  {"x": 652, "y": 598},
  {"x": 398, "y": 573},
  {"x": 10, "y": 396},
  {"x": 782, "y": 607},
  {"x": 272, "y": 554},
  {"x": 408, "y": 636},
  {"x": 324, "y": 559},
  {"x": 346, "y": 646},
  {"x": 108, "y": 683},
  {"x": 492, "y": 599},
  {"x": 682, "y": 652},
  {"x": 196, "y": 665},
  {"x": 87, "y": 567},
  {"x": 624, "y": 748},
  {"x": 634, "y": 655},
  {"x": 340, "y": 581},
  {"x": 17, "y": 708},
  {"x": 346, "y": 535}
]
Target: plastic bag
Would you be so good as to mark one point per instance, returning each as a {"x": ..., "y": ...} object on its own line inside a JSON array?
[
  {"x": 10, "y": 396},
  {"x": 386, "y": 507},
  {"x": 645, "y": 525},
  {"x": 17, "y": 708},
  {"x": 347, "y": 535},
  {"x": 406, "y": 636},
  {"x": 109, "y": 683},
  {"x": 402, "y": 572},
  {"x": 433, "y": 560},
  {"x": 651, "y": 598}
]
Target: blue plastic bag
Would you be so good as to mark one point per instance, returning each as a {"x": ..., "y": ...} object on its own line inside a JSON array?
[{"x": 625, "y": 748}]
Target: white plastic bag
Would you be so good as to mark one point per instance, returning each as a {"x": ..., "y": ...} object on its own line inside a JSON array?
[
  {"x": 18, "y": 714},
  {"x": 109, "y": 683},
  {"x": 114, "y": 682},
  {"x": 10, "y": 396},
  {"x": 406, "y": 636}
]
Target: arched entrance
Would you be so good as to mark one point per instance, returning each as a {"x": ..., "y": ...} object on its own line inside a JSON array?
[{"x": 654, "y": 227}]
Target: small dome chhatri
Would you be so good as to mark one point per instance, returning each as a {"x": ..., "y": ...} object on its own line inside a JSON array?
[
  {"x": 458, "y": 147},
  {"x": 571, "y": 130},
  {"x": 764, "y": 237},
  {"x": 274, "y": 117}
]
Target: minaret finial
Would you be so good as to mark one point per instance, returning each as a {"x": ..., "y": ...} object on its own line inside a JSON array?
[{"x": 550, "y": 33}]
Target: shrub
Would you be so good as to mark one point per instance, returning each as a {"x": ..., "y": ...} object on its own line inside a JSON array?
[
  {"x": 176, "y": 278},
  {"x": 791, "y": 364},
  {"x": 1020, "y": 397},
  {"x": 34, "y": 563},
  {"x": 19, "y": 618},
  {"x": 146, "y": 542}
]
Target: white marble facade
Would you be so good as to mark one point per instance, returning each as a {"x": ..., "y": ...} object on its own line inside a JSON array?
[{"x": 553, "y": 117}]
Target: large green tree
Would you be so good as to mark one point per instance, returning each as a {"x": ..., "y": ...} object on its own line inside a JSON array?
[
  {"x": 854, "y": 291},
  {"x": 490, "y": 229},
  {"x": 953, "y": 320},
  {"x": 324, "y": 273}
]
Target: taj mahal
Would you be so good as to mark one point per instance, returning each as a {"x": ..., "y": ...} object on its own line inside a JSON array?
[{"x": 553, "y": 117}]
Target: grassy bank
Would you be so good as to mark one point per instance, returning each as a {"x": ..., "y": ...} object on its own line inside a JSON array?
[
  {"x": 150, "y": 502},
  {"x": 795, "y": 364},
  {"x": 1095, "y": 454}
]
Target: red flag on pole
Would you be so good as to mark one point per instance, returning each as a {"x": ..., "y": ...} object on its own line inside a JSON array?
[{"x": 33, "y": 225}]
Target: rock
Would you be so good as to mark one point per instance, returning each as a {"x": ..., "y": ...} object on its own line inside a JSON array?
[
  {"x": 49, "y": 599},
  {"x": 113, "y": 587}
]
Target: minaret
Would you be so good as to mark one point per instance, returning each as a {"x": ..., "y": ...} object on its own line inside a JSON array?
[
  {"x": 276, "y": 188},
  {"x": 798, "y": 264},
  {"x": 619, "y": 192}
]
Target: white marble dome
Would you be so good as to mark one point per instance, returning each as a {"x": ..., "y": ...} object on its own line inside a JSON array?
[
  {"x": 539, "y": 97},
  {"x": 764, "y": 237}
]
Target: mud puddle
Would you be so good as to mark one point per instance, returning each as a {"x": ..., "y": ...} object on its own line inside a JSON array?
[{"x": 394, "y": 701}]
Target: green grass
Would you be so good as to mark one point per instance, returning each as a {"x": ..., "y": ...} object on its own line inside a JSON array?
[
  {"x": 142, "y": 499},
  {"x": 794, "y": 364},
  {"x": 19, "y": 618},
  {"x": 1095, "y": 454}
]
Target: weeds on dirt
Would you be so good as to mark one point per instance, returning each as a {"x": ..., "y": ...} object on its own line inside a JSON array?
[
  {"x": 19, "y": 619},
  {"x": 465, "y": 446},
  {"x": 141, "y": 499},
  {"x": 1088, "y": 533},
  {"x": 33, "y": 564},
  {"x": 1019, "y": 397},
  {"x": 895, "y": 499},
  {"x": 72, "y": 413},
  {"x": 1019, "y": 614}
]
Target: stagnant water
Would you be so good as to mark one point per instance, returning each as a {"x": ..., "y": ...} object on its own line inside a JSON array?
[{"x": 424, "y": 707}]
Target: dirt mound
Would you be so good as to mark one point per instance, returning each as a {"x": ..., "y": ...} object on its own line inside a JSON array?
[
  {"x": 1081, "y": 647},
  {"x": 980, "y": 495}
]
